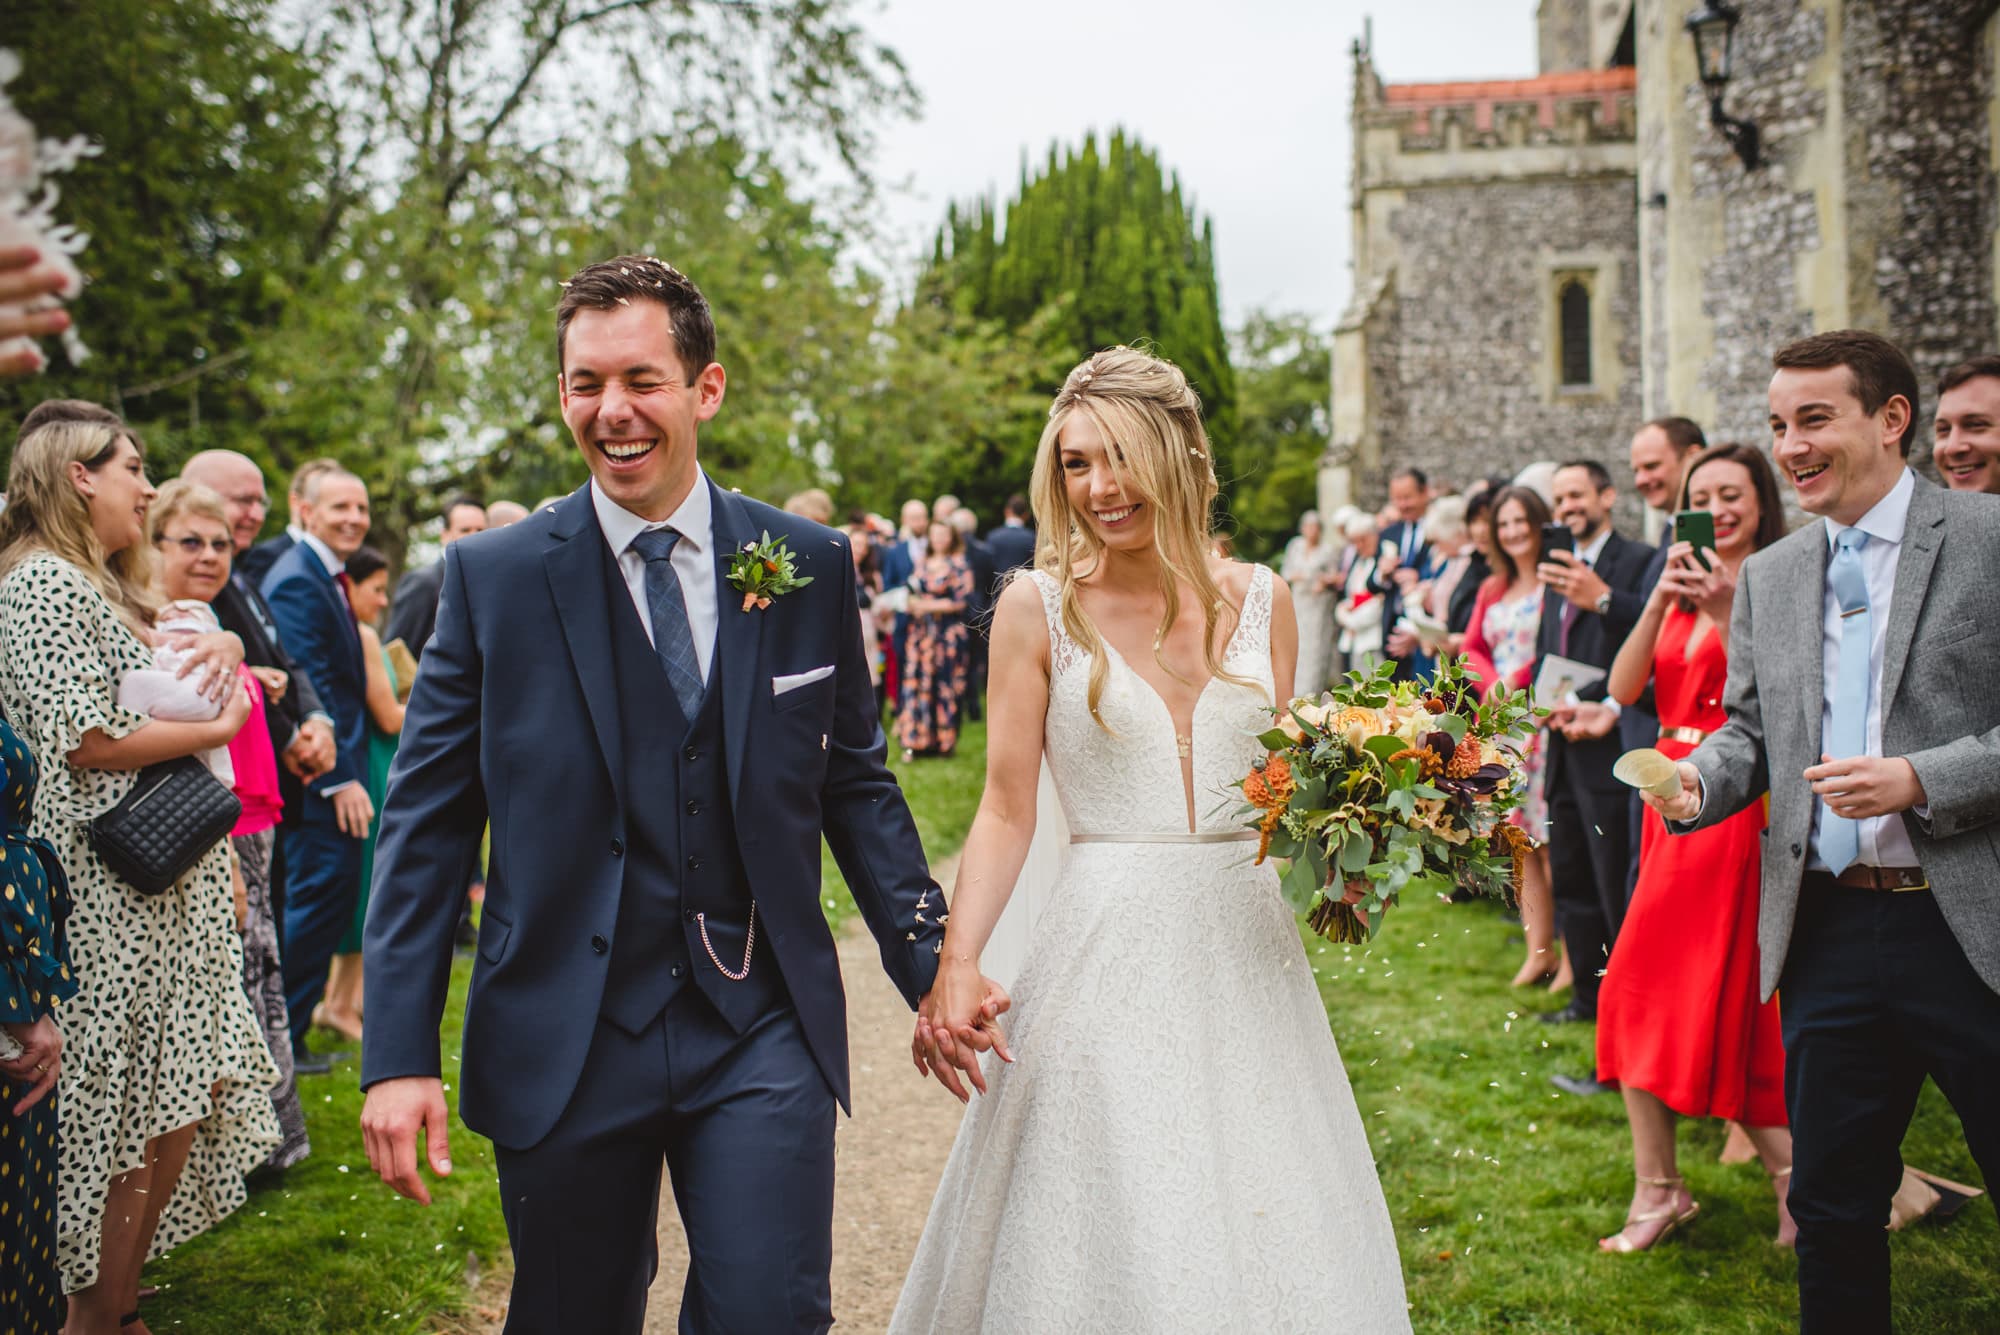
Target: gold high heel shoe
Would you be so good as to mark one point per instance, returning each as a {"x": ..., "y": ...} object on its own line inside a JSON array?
[{"x": 1620, "y": 1245}]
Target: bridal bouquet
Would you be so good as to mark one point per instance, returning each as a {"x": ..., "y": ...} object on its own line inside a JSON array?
[{"x": 1379, "y": 786}]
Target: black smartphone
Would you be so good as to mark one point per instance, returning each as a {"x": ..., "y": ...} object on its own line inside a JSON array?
[
  {"x": 1557, "y": 538},
  {"x": 1697, "y": 527}
]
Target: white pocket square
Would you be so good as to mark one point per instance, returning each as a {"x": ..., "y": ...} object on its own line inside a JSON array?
[{"x": 782, "y": 685}]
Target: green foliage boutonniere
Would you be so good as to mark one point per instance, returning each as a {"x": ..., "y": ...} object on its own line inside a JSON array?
[{"x": 764, "y": 570}]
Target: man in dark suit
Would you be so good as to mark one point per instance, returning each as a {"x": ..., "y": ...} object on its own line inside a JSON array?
[
  {"x": 978, "y": 608},
  {"x": 1012, "y": 545},
  {"x": 1591, "y": 604},
  {"x": 307, "y": 592},
  {"x": 661, "y": 759},
  {"x": 255, "y": 561},
  {"x": 900, "y": 560},
  {"x": 1861, "y": 698},
  {"x": 1403, "y": 557},
  {"x": 413, "y": 614}
]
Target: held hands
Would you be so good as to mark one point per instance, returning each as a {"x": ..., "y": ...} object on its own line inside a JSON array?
[
  {"x": 39, "y": 1063},
  {"x": 957, "y": 1021},
  {"x": 1864, "y": 787},
  {"x": 1566, "y": 573},
  {"x": 311, "y": 753},
  {"x": 1682, "y": 806},
  {"x": 395, "y": 1110}
]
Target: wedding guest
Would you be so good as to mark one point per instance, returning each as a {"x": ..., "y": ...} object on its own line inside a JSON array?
[
  {"x": 1872, "y": 721},
  {"x": 165, "y": 1074},
  {"x": 900, "y": 558},
  {"x": 368, "y": 592},
  {"x": 258, "y": 560},
  {"x": 1539, "y": 477},
  {"x": 1359, "y": 611},
  {"x": 1592, "y": 602},
  {"x": 1451, "y": 558},
  {"x": 1403, "y": 559},
  {"x": 1013, "y": 543},
  {"x": 1311, "y": 567},
  {"x": 1500, "y": 639},
  {"x": 502, "y": 513},
  {"x": 1478, "y": 555},
  {"x": 35, "y": 978},
  {"x": 813, "y": 504},
  {"x": 189, "y": 527},
  {"x": 936, "y": 652},
  {"x": 1680, "y": 1029},
  {"x": 307, "y": 591},
  {"x": 1967, "y": 426},
  {"x": 414, "y": 613}
]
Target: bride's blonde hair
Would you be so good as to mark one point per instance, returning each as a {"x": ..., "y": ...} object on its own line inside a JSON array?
[{"x": 1149, "y": 418}]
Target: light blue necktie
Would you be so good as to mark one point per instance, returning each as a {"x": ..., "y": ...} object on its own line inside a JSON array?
[
  {"x": 1840, "y": 837},
  {"x": 672, "y": 640}
]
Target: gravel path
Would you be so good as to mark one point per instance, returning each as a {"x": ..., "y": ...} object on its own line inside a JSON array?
[{"x": 890, "y": 1154}]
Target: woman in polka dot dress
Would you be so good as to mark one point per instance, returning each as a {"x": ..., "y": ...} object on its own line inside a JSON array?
[
  {"x": 165, "y": 1075},
  {"x": 34, "y": 976}
]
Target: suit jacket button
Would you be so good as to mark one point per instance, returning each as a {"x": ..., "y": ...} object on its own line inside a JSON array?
[
  {"x": 677, "y": 970},
  {"x": 693, "y": 807},
  {"x": 617, "y": 848},
  {"x": 599, "y": 945},
  {"x": 694, "y": 863},
  {"x": 692, "y": 754},
  {"x": 1797, "y": 851}
]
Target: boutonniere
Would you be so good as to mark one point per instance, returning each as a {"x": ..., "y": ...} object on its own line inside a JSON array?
[{"x": 764, "y": 570}]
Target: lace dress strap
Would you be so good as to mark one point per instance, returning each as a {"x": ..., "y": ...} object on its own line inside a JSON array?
[
  {"x": 1063, "y": 651},
  {"x": 1253, "y": 626}
]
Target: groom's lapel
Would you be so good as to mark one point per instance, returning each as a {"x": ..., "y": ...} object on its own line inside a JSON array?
[
  {"x": 739, "y": 635},
  {"x": 574, "y": 564}
]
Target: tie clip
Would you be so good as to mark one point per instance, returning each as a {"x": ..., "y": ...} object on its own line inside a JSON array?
[{"x": 1854, "y": 611}]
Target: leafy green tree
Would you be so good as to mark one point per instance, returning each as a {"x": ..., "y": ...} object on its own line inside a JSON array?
[
  {"x": 1101, "y": 247},
  {"x": 1284, "y": 383},
  {"x": 204, "y": 205}
]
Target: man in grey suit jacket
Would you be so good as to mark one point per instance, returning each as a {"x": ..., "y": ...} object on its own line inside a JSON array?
[{"x": 1880, "y": 919}]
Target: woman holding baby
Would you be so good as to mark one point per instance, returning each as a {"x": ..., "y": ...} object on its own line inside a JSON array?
[{"x": 164, "y": 1075}]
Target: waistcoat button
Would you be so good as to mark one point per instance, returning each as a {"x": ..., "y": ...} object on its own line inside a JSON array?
[
  {"x": 692, "y": 754},
  {"x": 617, "y": 848},
  {"x": 694, "y": 863},
  {"x": 693, "y": 807},
  {"x": 677, "y": 970},
  {"x": 599, "y": 944}
]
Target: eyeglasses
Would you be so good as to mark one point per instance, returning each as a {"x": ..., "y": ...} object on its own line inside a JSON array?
[
  {"x": 193, "y": 545},
  {"x": 253, "y": 500}
]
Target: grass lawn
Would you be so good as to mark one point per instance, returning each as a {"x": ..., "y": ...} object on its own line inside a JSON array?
[
  {"x": 329, "y": 1250},
  {"x": 1500, "y": 1185}
]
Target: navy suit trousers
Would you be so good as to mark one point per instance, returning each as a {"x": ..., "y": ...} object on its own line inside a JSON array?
[
  {"x": 1876, "y": 994},
  {"x": 742, "y": 1122},
  {"x": 322, "y": 884}
]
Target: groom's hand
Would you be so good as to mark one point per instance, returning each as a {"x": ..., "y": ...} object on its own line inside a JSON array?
[
  {"x": 394, "y": 1112},
  {"x": 956, "y": 1022}
]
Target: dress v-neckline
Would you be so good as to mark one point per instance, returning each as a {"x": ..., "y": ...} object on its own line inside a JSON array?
[{"x": 1173, "y": 725}]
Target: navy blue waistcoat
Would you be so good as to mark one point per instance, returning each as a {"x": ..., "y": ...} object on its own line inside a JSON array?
[{"x": 681, "y": 855}]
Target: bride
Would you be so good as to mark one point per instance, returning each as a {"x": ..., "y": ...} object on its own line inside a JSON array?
[{"x": 1167, "y": 1140}]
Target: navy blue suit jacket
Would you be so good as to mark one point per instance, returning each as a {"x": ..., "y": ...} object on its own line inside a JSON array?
[
  {"x": 515, "y": 717},
  {"x": 317, "y": 630},
  {"x": 1012, "y": 548}
]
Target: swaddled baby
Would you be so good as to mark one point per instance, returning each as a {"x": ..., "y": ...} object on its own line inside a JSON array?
[{"x": 159, "y": 694}]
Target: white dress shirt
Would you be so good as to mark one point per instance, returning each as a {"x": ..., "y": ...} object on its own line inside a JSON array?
[
  {"x": 334, "y": 567},
  {"x": 1884, "y": 841},
  {"x": 693, "y": 560}
]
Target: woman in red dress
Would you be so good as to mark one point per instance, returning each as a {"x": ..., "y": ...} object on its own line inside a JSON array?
[{"x": 1679, "y": 1025}]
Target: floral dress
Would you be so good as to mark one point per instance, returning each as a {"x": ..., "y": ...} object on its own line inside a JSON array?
[
  {"x": 937, "y": 659},
  {"x": 1512, "y": 627},
  {"x": 160, "y": 1034},
  {"x": 34, "y": 976}
]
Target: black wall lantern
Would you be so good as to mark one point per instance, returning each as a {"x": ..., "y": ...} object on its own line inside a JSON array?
[{"x": 1713, "y": 28}]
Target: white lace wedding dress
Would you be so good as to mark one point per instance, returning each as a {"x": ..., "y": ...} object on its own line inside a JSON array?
[{"x": 1175, "y": 1147}]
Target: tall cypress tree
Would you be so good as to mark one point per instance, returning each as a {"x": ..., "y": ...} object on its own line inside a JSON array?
[{"x": 1098, "y": 247}]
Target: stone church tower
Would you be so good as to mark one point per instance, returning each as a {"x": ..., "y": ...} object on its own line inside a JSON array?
[{"x": 1541, "y": 264}]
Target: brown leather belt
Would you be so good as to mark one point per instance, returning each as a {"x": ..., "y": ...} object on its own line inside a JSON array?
[
  {"x": 1692, "y": 736},
  {"x": 1895, "y": 879}
]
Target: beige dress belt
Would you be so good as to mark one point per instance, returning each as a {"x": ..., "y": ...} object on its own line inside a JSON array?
[{"x": 1169, "y": 837}]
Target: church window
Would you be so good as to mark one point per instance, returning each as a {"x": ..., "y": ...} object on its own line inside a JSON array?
[{"x": 1574, "y": 313}]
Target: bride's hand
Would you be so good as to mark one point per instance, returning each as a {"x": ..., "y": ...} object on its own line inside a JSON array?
[{"x": 957, "y": 1021}]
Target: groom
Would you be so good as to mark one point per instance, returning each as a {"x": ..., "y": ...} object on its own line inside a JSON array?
[{"x": 655, "y": 980}]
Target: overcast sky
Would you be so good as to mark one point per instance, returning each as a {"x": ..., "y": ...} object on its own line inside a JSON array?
[{"x": 1247, "y": 102}]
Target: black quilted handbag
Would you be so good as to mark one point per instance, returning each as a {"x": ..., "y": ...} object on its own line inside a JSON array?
[{"x": 176, "y": 811}]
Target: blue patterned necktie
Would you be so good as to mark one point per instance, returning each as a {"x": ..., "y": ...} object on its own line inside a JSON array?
[
  {"x": 1840, "y": 837},
  {"x": 672, "y": 640}
]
